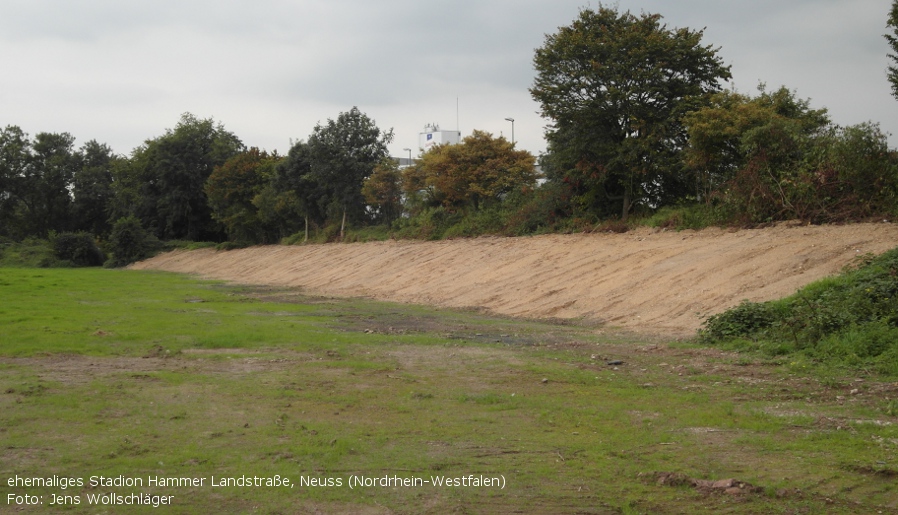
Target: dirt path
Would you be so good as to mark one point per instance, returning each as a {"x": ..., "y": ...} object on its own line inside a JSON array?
[{"x": 645, "y": 280}]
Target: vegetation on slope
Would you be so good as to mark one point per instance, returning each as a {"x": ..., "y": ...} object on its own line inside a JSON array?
[{"x": 850, "y": 320}]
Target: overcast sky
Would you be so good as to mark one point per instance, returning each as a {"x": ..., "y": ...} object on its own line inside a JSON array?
[{"x": 123, "y": 71}]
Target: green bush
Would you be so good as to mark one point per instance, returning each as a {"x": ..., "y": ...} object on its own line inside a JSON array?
[
  {"x": 849, "y": 320},
  {"x": 78, "y": 247},
  {"x": 233, "y": 245},
  {"x": 130, "y": 242},
  {"x": 688, "y": 216},
  {"x": 863, "y": 341},
  {"x": 477, "y": 223},
  {"x": 429, "y": 224},
  {"x": 746, "y": 320},
  {"x": 30, "y": 253},
  {"x": 542, "y": 210}
]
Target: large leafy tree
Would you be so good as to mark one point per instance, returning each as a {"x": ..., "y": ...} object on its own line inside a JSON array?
[
  {"x": 92, "y": 187},
  {"x": 165, "y": 182},
  {"x": 479, "y": 170},
  {"x": 615, "y": 87},
  {"x": 293, "y": 198},
  {"x": 15, "y": 160},
  {"x": 342, "y": 154},
  {"x": 892, "y": 38},
  {"x": 45, "y": 185},
  {"x": 231, "y": 189}
]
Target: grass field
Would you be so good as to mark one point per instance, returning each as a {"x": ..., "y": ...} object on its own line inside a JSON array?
[{"x": 149, "y": 378}]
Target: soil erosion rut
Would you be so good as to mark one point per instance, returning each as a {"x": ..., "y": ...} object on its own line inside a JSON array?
[{"x": 647, "y": 280}]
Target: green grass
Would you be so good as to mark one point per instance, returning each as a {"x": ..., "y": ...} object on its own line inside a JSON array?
[{"x": 123, "y": 373}]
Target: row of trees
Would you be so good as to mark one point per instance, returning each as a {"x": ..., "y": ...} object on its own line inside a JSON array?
[
  {"x": 49, "y": 186},
  {"x": 46, "y": 184},
  {"x": 199, "y": 182},
  {"x": 638, "y": 120},
  {"x": 342, "y": 174}
]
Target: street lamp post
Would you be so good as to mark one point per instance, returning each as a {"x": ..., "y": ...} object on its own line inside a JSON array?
[
  {"x": 409, "y": 155},
  {"x": 512, "y": 128}
]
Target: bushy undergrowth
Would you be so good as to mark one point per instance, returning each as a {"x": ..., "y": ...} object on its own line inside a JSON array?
[
  {"x": 80, "y": 248},
  {"x": 687, "y": 216},
  {"x": 851, "y": 319},
  {"x": 130, "y": 242},
  {"x": 29, "y": 253}
]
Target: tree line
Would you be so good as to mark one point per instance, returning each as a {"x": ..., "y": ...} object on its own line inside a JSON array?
[{"x": 638, "y": 124}]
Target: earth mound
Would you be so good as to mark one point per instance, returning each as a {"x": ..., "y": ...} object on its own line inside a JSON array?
[{"x": 646, "y": 280}]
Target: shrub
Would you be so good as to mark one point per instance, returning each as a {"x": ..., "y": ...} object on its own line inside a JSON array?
[
  {"x": 688, "y": 216},
  {"x": 130, "y": 242},
  {"x": 429, "y": 224},
  {"x": 541, "y": 210},
  {"x": 232, "y": 245},
  {"x": 859, "y": 342},
  {"x": 78, "y": 247},
  {"x": 745, "y": 320}
]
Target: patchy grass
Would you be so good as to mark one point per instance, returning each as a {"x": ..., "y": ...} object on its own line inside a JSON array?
[{"x": 139, "y": 375}]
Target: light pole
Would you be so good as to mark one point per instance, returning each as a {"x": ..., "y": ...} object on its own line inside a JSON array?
[
  {"x": 512, "y": 128},
  {"x": 409, "y": 155}
]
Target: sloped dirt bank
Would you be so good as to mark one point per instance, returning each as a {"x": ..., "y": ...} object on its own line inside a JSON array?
[{"x": 646, "y": 280}]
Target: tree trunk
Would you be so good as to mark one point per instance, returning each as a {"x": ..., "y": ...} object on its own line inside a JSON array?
[
  {"x": 343, "y": 225},
  {"x": 626, "y": 209},
  {"x": 306, "y": 238}
]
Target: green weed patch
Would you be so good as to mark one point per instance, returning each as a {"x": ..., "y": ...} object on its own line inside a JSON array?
[{"x": 848, "y": 321}]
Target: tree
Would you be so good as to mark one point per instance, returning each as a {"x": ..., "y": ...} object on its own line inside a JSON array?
[
  {"x": 480, "y": 170},
  {"x": 92, "y": 187},
  {"x": 47, "y": 182},
  {"x": 15, "y": 160},
  {"x": 45, "y": 185},
  {"x": 168, "y": 174},
  {"x": 615, "y": 87},
  {"x": 294, "y": 197},
  {"x": 383, "y": 191},
  {"x": 342, "y": 154},
  {"x": 893, "y": 43},
  {"x": 231, "y": 189},
  {"x": 773, "y": 157},
  {"x": 734, "y": 128}
]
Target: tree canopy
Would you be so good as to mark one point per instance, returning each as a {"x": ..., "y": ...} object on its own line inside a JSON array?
[
  {"x": 46, "y": 184},
  {"x": 892, "y": 38},
  {"x": 615, "y": 87},
  {"x": 164, "y": 183},
  {"x": 232, "y": 189},
  {"x": 481, "y": 169},
  {"x": 342, "y": 154}
]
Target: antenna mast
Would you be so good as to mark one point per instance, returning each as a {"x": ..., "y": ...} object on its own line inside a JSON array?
[{"x": 457, "y": 128}]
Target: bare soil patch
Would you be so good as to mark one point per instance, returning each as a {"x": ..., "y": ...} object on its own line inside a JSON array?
[{"x": 647, "y": 280}]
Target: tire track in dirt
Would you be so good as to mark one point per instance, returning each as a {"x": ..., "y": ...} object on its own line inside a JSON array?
[{"x": 645, "y": 280}]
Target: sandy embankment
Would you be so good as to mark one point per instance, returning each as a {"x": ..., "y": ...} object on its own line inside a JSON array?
[{"x": 645, "y": 280}]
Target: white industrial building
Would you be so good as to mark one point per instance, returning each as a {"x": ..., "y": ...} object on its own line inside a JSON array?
[{"x": 433, "y": 136}]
